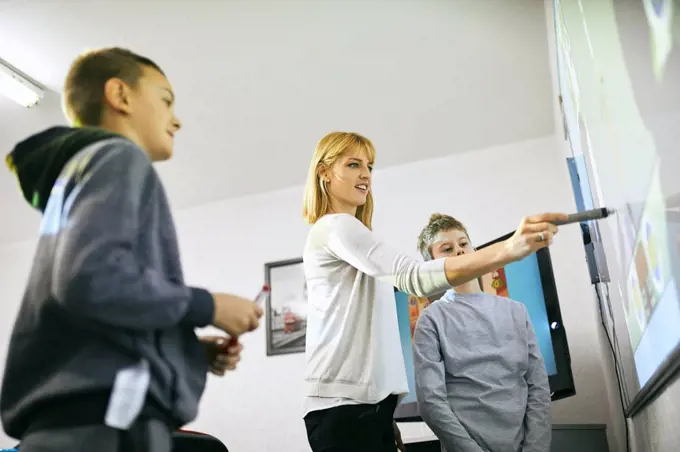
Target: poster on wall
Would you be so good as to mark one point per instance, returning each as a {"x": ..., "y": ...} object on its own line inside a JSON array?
[{"x": 286, "y": 308}]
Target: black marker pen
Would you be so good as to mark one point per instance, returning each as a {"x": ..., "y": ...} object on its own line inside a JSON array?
[{"x": 588, "y": 215}]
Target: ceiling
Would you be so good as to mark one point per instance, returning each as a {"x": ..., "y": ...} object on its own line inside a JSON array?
[{"x": 258, "y": 83}]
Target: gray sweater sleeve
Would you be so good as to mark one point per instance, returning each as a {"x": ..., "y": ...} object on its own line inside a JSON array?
[
  {"x": 97, "y": 273},
  {"x": 537, "y": 425},
  {"x": 431, "y": 389},
  {"x": 351, "y": 241}
]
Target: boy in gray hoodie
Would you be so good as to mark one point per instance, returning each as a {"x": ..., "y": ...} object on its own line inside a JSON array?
[{"x": 103, "y": 355}]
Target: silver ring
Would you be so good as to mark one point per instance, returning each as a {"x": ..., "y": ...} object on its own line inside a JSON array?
[{"x": 541, "y": 237}]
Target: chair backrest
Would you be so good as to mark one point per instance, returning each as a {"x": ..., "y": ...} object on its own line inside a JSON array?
[
  {"x": 188, "y": 441},
  {"x": 182, "y": 441}
]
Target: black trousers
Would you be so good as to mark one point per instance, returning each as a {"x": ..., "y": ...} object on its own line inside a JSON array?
[{"x": 353, "y": 428}]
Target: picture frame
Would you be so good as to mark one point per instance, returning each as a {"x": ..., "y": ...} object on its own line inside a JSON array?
[{"x": 286, "y": 307}]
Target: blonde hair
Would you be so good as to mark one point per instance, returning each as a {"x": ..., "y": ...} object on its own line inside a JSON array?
[
  {"x": 316, "y": 201},
  {"x": 438, "y": 222}
]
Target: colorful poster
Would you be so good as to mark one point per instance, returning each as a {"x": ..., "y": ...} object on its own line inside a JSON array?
[
  {"x": 495, "y": 283},
  {"x": 416, "y": 305}
]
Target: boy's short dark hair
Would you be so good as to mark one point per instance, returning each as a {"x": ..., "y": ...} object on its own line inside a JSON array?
[{"x": 84, "y": 86}]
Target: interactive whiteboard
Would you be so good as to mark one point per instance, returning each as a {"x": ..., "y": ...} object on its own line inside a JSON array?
[{"x": 619, "y": 77}]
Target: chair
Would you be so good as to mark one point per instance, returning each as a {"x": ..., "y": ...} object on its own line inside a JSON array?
[
  {"x": 182, "y": 441},
  {"x": 190, "y": 441}
]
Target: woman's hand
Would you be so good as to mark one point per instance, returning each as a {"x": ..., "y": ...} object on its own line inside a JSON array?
[
  {"x": 222, "y": 355},
  {"x": 533, "y": 233}
]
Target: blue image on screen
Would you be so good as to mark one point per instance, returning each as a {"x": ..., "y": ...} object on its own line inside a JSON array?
[
  {"x": 404, "y": 321},
  {"x": 524, "y": 285}
]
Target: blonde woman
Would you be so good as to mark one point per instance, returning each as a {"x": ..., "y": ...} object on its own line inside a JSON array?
[{"x": 355, "y": 372}]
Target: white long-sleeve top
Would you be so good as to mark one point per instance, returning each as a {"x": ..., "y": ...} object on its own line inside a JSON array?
[{"x": 353, "y": 348}]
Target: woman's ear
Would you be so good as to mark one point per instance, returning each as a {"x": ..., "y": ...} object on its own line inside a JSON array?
[{"x": 322, "y": 172}]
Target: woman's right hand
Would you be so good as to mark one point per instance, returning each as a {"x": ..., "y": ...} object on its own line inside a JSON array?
[{"x": 534, "y": 232}]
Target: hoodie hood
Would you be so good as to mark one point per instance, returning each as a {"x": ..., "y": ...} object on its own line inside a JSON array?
[{"x": 39, "y": 159}]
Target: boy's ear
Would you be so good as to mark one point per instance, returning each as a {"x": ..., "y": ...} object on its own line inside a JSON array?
[{"x": 117, "y": 95}]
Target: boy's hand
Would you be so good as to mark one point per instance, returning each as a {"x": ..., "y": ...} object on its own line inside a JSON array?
[
  {"x": 235, "y": 315},
  {"x": 221, "y": 359}
]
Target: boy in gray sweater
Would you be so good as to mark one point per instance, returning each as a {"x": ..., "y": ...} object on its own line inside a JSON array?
[
  {"x": 103, "y": 355},
  {"x": 480, "y": 379}
]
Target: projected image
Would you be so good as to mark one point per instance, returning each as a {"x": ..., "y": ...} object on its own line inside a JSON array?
[
  {"x": 660, "y": 18},
  {"x": 650, "y": 267},
  {"x": 635, "y": 313},
  {"x": 653, "y": 308}
]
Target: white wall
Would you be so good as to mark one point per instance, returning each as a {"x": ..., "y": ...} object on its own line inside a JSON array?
[{"x": 225, "y": 245}]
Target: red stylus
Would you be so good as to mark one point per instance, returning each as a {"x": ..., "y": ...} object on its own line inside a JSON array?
[{"x": 259, "y": 299}]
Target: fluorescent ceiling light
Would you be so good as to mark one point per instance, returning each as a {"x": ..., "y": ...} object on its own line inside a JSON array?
[{"x": 18, "y": 88}]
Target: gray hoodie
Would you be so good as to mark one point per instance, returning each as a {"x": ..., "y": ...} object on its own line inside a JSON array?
[{"x": 106, "y": 289}]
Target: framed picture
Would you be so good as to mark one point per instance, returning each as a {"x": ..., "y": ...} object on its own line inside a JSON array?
[{"x": 286, "y": 308}]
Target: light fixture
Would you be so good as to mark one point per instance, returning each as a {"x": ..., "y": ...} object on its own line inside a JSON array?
[{"x": 18, "y": 88}]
